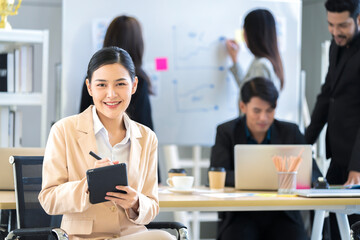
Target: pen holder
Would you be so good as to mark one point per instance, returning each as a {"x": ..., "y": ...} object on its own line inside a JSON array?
[{"x": 286, "y": 182}]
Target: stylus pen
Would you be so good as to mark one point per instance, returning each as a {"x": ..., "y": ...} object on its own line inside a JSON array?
[{"x": 95, "y": 155}]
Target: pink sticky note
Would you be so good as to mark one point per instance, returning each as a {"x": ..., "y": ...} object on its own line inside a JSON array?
[{"x": 161, "y": 64}]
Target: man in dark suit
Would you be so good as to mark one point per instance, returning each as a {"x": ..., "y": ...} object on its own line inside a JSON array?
[
  {"x": 257, "y": 126},
  {"x": 338, "y": 104}
]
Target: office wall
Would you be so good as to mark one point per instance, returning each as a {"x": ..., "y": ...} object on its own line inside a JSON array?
[
  {"x": 196, "y": 92},
  {"x": 40, "y": 14},
  {"x": 314, "y": 32}
]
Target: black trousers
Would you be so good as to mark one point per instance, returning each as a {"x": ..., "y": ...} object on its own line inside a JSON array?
[
  {"x": 338, "y": 174},
  {"x": 276, "y": 225}
]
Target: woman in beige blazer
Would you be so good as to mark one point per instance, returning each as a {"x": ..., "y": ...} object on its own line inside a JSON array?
[{"x": 108, "y": 131}]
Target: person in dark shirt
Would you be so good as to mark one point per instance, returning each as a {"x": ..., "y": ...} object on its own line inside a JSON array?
[
  {"x": 257, "y": 126},
  {"x": 338, "y": 104}
]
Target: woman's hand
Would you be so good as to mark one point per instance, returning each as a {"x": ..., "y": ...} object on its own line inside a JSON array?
[
  {"x": 233, "y": 49},
  {"x": 127, "y": 200},
  {"x": 104, "y": 162}
]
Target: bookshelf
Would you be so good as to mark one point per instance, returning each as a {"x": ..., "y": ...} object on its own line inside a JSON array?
[{"x": 9, "y": 41}]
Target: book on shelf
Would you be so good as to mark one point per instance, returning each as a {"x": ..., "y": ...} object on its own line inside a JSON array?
[
  {"x": 16, "y": 128},
  {"x": 7, "y": 72},
  {"x": 17, "y": 71},
  {"x": 26, "y": 68},
  {"x": 10, "y": 72},
  {"x": 3, "y": 72},
  {"x": 10, "y": 127},
  {"x": 4, "y": 126}
]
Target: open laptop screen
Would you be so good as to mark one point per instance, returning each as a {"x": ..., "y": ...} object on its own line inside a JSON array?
[
  {"x": 7, "y": 175},
  {"x": 255, "y": 170}
]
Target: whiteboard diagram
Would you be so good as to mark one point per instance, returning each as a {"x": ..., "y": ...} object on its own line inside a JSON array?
[
  {"x": 191, "y": 47},
  {"x": 195, "y": 92},
  {"x": 196, "y": 99}
]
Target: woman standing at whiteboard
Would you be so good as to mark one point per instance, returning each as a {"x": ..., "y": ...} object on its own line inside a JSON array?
[
  {"x": 125, "y": 32},
  {"x": 260, "y": 37}
]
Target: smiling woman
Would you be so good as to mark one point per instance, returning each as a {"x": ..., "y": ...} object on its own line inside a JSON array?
[
  {"x": 111, "y": 87},
  {"x": 108, "y": 131}
]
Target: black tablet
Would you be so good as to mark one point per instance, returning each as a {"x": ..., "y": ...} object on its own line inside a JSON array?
[{"x": 105, "y": 179}]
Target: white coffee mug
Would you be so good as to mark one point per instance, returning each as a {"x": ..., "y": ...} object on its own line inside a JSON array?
[{"x": 181, "y": 182}]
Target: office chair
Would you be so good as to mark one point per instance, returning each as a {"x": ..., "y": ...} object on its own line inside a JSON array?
[
  {"x": 355, "y": 231},
  {"x": 30, "y": 214},
  {"x": 181, "y": 229},
  {"x": 32, "y": 221},
  {"x": 3, "y": 231}
]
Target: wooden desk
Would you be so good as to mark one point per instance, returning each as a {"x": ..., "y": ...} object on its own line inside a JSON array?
[
  {"x": 199, "y": 202},
  {"x": 7, "y": 200},
  {"x": 265, "y": 201}
]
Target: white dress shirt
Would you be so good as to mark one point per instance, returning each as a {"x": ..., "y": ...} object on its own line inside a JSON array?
[{"x": 121, "y": 151}]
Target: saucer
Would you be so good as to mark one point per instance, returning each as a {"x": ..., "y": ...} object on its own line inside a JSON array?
[{"x": 182, "y": 191}]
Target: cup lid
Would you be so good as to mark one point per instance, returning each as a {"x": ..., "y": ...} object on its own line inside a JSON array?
[
  {"x": 177, "y": 170},
  {"x": 217, "y": 169}
]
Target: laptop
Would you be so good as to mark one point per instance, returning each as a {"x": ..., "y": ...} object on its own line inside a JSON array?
[
  {"x": 255, "y": 169},
  {"x": 328, "y": 193},
  {"x": 6, "y": 169}
]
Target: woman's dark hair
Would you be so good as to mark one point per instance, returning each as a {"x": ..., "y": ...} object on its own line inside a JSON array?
[
  {"x": 111, "y": 55},
  {"x": 343, "y": 5},
  {"x": 260, "y": 87},
  {"x": 260, "y": 30},
  {"x": 125, "y": 32}
]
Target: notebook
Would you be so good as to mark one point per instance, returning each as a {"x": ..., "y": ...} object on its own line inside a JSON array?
[
  {"x": 255, "y": 170},
  {"x": 105, "y": 179},
  {"x": 6, "y": 169},
  {"x": 318, "y": 193}
]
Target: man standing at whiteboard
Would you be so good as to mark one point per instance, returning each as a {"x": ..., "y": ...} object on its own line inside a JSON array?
[{"x": 338, "y": 103}]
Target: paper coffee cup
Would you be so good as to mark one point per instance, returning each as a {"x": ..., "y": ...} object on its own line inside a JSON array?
[{"x": 217, "y": 178}]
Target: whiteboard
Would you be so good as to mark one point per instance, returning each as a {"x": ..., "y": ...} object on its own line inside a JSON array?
[{"x": 185, "y": 57}]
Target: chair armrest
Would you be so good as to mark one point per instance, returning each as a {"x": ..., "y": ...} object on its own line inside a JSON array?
[
  {"x": 171, "y": 225},
  {"x": 355, "y": 231},
  {"x": 179, "y": 227},
  {"x": 56, "y": 232}
]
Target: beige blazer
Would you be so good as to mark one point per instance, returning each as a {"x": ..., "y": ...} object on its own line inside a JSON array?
[{"x": 64, "y": 185}]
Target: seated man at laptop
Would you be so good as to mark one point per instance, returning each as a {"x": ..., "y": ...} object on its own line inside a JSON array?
[{"x": 257, "y": 126}]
